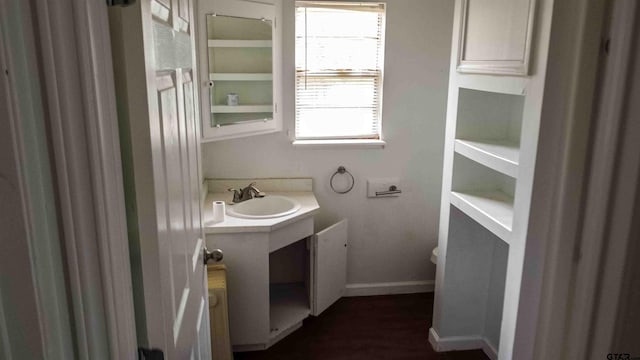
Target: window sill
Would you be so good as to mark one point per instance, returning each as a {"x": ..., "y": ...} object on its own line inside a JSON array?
[{"x": 350, "y": 143}]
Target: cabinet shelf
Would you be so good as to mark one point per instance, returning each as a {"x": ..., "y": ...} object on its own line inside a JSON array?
[
  {"x": 241, "y": 76},
  {"x": 499, "y": 155},
  {"x": 226, "y": 109},
  {"x": 240, "y": 43},
  {"x": 491, "y": 209},
  {"x": 511, "y": 85},
  {"x": 289, "y": 305}
]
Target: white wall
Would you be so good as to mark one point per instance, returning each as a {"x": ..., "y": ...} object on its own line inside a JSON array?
[{"x": 390, "y": 239}]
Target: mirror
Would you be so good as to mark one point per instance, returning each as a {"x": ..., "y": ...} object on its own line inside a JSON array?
[{"x": 240, "y": 70}]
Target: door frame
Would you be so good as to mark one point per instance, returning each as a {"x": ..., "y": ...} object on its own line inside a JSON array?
[
  {"x": 75, "y": 66},
  {"x": 34, "y": 314},
  {"x": 581, "y": 228},
  {"x": 71, "y": 38},
  {"x": 561, "y": 160}
]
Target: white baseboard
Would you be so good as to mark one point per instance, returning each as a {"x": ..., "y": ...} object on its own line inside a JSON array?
[
  {"x": 490, "y": 350},
  {"x": 458, "y": 343},
  {"x": 451, "y": 343},
  {"x": 390, "y": 288}
]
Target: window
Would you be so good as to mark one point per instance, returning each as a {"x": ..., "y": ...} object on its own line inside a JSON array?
[{"x": 339, "y": 66}]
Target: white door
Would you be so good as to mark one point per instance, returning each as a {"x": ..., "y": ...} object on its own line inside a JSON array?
[
  {"x": 329, "y": 259},
  {"x": 154, "y": 65}
]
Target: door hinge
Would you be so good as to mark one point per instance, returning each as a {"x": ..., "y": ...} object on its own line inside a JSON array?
[
  {"x": 120, "y": 2},
  {"x": 150, "y": 354}
]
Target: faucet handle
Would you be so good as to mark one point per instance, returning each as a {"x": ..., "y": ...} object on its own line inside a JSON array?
[
  {"x": 236, "y": 194},
  {"x": 256, "y": 192}
]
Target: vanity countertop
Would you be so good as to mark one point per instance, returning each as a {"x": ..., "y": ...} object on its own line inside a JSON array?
[{"x": 308, "y": 202}]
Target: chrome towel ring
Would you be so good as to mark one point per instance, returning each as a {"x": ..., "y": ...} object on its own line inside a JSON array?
[{"x": 342, "y": 170}]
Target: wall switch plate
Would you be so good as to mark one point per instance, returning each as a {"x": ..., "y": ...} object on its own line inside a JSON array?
[{"x": 382, "y": 185}]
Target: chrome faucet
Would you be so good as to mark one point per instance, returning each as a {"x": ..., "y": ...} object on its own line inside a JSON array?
[{"x": 247, "y": 193}]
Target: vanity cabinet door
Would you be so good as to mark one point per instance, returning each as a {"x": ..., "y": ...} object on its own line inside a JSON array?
[
  {"x": 246, "y": 257},
  {"x": 329, "y": 270}
]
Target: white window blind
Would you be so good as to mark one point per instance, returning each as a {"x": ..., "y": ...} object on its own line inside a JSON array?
[{"x": 339, "y": 67}]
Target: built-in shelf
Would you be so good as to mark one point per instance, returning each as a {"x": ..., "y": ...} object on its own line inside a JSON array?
[
  {"x": 496, "y": 84},
  {"x": 289, "y": 305},
  {"x": 491, "y": 209},
  {"x": 499, "y": 155},
  {"x": 226, "y": 109},
  {"x": 241, "y": 76},
  {"x": 240, "y": 43}
]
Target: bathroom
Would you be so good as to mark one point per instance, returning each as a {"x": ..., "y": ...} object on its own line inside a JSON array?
[
  {"x": 302, "y": 179},
  {"x": 413, "y": 122},
  {"x": 346, "y": 149},
  {"x": 370, "y": 193},
  {"x": 390, "y": 238}
]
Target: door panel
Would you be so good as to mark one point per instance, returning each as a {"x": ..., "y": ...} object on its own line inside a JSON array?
[
  {"x": 161, "y": 9},
  {"x": 182, "y": 14},
  {"x": 201, "y": 348},
  {"x": 189, "y": 164},
  {"x": 329, "y": 259},
  {"x": 171, "y": 174},
  {"x": 192, "y": 148},
  {"x": 165, "y": 3},
  {"x": 165, "y": 135},
  {"x": 184, "y": 269},
  {"x": 192, "y": 168}
]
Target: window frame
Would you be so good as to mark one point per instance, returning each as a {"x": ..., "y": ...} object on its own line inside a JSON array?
[{"x": 338, "y": 140}]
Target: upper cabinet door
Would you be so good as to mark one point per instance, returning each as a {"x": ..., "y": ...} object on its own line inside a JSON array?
[
  {"x": 239, "y": 49},
  {"x": 495, "y": 36}
]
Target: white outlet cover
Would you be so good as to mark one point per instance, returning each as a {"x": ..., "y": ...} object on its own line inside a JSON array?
[{"x": 382, "y": 184}]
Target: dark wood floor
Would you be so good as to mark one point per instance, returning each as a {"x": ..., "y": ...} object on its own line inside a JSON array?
[{"x": 374, "y": 327}]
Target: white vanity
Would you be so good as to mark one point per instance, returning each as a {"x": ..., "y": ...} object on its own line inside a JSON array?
[{"x": 279, "y": 270}]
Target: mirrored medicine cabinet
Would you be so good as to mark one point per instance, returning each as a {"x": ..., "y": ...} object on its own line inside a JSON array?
[{"x": 240, "y": 60}]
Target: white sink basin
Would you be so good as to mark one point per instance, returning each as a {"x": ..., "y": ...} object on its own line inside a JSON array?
[{"x": 264, "y": 208}]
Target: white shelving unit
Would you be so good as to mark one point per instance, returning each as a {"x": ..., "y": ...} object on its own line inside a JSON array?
[
  {"x": 226, "y": 109},
  {"x": 240, "y": 46},
  {"x": 232, "y": 68},
  {"x": 240, "y": 43},
  {"x": 241, "y": 76},
  {"x": 493, "y": 116},
  {"x": 499, "y": 155},
  {"x": 483, "y": 173},
  {"x": 491, "y": 209}
]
